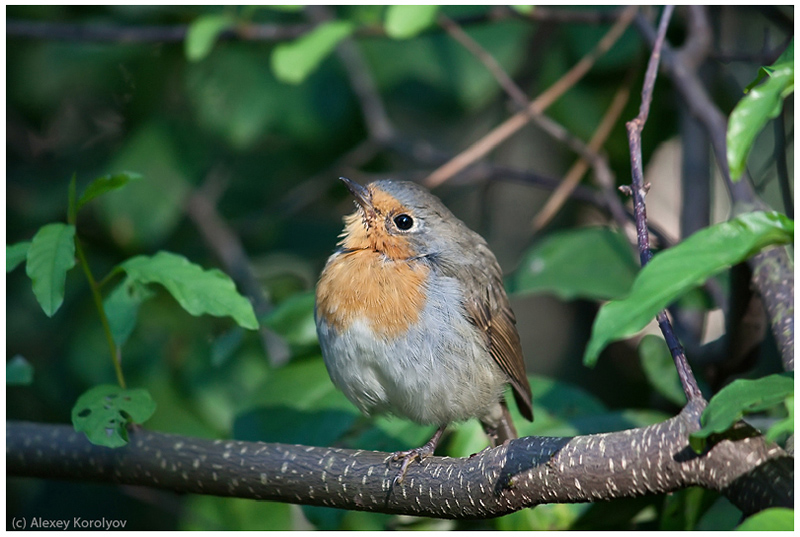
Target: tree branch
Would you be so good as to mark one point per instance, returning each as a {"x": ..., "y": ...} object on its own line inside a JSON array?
[
  {"x": 574, "y": 174},
  {"x": 526, "y": 472},
  {"x": 244, "y": 31}
]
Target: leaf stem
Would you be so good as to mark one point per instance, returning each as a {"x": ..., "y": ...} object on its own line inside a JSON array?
[{"x": 116, "y": 358}]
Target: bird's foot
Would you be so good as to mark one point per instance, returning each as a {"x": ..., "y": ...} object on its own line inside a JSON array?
[{"x": 417, "y": 453}]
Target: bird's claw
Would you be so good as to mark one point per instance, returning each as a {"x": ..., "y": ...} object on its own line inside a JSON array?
[{"x": 408, "y": 457}]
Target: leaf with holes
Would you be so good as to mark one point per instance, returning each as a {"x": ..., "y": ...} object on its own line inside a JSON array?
[
  {"x": 673, "y": 272},
  {"x": 104, "y": 412},
  {"x": 104, "y": 184},
  {"x": 16, "y": 254},
  {"x": 198, "y": 291},
  {"x": 50, "y": 256},
  {"x": 738, "y": 398}
]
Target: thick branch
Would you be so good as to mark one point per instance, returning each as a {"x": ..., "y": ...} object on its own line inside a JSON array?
[{"x": 523, "y": 473}]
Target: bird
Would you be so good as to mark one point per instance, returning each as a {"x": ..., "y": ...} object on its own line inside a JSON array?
[{"x": 413, "y": 319}]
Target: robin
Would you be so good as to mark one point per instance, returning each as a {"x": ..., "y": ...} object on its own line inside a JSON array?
[{"x": 413, "y": 319}]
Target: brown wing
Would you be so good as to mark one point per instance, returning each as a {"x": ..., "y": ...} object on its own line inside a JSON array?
[{"x": 488, "y": 308}]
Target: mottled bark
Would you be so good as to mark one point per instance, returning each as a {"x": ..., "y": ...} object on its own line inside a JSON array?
[{"x": 526, "y": 472}]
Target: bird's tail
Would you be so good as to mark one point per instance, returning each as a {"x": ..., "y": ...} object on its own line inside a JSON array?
[{"x": 503, "y": 431}]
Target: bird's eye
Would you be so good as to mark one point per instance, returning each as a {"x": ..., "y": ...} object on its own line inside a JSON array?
[{"x": 403, "y": 222}]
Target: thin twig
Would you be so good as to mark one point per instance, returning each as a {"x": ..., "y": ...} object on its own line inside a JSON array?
[
  {"x": 497, "y": 71},
  {"x": 638, "y": 188},
  {"x": 500, "y": 133},
  {"x": 551, "y": 127},
  {"x": 375, "y": 117},
  {"x": 244, "y": 31},
  {"x": 574, "y": 174}
]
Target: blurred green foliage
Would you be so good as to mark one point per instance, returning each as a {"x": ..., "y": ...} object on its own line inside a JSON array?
[{"x": 213, "y": 114}]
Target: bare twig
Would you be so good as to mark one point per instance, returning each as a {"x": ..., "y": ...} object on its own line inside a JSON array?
[
  {"x": 377, "y": 120},
  {"x": 116, "y": 33},
  {"x": 574, "y": 174},
  {"x": 244, "y": 31},
  {"x": 505, "y": 81},
  {"x": 500, "y": 133},
  {"x": 638, "y": 188},
  {"x": 558, "y": 132}
]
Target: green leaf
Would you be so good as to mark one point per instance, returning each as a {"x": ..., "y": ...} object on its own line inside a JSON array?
[
  {"x": 546, "y": 517},
  {"x": 50, "y": 256},
  {"x": 286, "y": 9},
  {"x": 761, "y": 104},
  {"x": 203, "y": 33},
  {"x": 293, "y": 62},
  {"x": 212, "y": 513},
  {"x": 293, "y": 319},
  {"x": 104, "y": 412},
  {"x": 784, "y": 427},
  {"x": 564, "y": 399},
  {"x": 659, "y": 369},
  {"x": 145, "y": 212},
  {"x": 404, "y": 21},
  {"x": 787, "y": 56},
  {"x": 19, "y": 372},
  {"x": 673, "y": 272},
  {"x": 122, "y": 308},
  {"x": 104, "y": 184},
  {"x": 772, "y": 519},
  {"x": 523, "y": 10},
  {"x": 302, "y": 385},
  {"x": 198, "y": 291},
  {"x": 559, "y": 264},
  {"x": 684, "y": 508},
  {"x": 738, "y": 398},
  {"x": 16, "y": 254},
  {"x": 291, "y": 426}
]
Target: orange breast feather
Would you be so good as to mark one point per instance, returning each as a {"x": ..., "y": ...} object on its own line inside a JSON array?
[{"x": 364, "y": 284}]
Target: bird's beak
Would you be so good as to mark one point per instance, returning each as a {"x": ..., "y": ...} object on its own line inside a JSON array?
[{"x": 362, "y": 194}]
